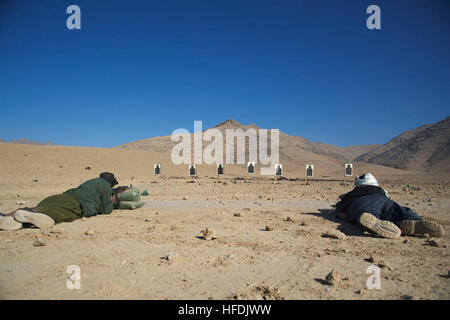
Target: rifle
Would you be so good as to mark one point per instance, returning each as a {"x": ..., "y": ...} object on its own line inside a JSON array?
[{"x": 116, "y": 192}]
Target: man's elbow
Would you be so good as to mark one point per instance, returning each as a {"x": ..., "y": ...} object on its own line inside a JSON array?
[{"x": 89, "y": 213}]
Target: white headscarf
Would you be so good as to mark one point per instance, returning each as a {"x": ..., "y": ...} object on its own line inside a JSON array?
[{"x": 366, "y": 180}]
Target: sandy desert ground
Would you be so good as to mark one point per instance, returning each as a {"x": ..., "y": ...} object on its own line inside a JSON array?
[{"x": 122, "y": 258}]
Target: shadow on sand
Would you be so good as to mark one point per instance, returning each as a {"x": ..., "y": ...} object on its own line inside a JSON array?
[{"x": 348, "y": 228}]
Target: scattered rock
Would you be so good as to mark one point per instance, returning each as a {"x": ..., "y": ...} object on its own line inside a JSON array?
[
  {"x": 335, "y": 234},
  {"x": 20, "y": 202},
  {"x": 361, "y": 291},
  {"x": 334, "y": 277},
  {"x": 238, "y": 214},
  {"x": 371, "y": 259},
  {"x": 56, "y": 230},
  {"x": 304, "y": 224},
  {"x": 383, "y": 264},
  {"x": 91, "y": 231},
  {"x": 224, "y": 261},
  {"x": 269, "y": 293},
  {"x": 38, "y": 242},
  {"x": 434, "y": 243},
  {"x": 288, "y": 219},
  {"x": 148, "y": 220},
  {"x": 247, "y": 209},
  {"x": 268, "y": 228},
  {"x": 185, "y": 198},
  {"x": 170, "y": 256},
  {"x": 240, "y": 296},
  {"x": 87, "y": 168},
  {"x": 209, "y": 234}
]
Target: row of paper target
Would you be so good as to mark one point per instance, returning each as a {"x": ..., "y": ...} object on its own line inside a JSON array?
[{"x": 278, "y": 169}]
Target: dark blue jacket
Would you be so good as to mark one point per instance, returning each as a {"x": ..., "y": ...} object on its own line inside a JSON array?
[{"x": 373, "y": 200}]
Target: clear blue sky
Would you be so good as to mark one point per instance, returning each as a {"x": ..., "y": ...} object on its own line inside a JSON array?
[{"x": 143, "y": 68}]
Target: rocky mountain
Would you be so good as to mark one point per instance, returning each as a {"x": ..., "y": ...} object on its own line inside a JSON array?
[
  {"x": 292, "y": 148},
  {"x": 27, "y": 141},
  {"x": 426, "y": 147}
]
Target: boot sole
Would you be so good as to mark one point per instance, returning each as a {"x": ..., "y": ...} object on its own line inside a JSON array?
[
  {"x": 39, "y": 220},
  {"x": 419, "y": 227},
  {"x": 382, "y": 228},
  {"x": 7, "y": 223}
]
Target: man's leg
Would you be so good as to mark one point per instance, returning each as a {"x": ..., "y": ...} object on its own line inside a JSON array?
[
  {"x": 25, "y": 215},
  {"x": 412, "y": 224},
  {"x": 382, "y": 228},
  {"x": 7, "y": 223},
  {"x": 420, "y": 227},
  {"x": 39, "y": 220}
]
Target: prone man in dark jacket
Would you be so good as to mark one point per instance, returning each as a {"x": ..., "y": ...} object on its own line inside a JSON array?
[
  {"x": 91, "y": 198},
  {"x": 95, "y": 195},
  {"x": 368, "y": 205}
]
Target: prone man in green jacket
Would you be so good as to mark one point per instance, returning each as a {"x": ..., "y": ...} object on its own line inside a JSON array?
[{"x": 91, "y": 198}]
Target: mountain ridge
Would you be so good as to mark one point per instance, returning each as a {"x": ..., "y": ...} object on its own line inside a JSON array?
[
  {"x": 28, "y": 141},
  {"x": 289, "y": 145},
  {"x": 426, "y": 147}
]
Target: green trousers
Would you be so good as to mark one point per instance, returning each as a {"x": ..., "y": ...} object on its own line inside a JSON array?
[{"x": 61, "y": 208}]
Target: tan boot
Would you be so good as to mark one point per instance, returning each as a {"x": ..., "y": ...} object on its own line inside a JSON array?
[
  {"x": 39, "y": 220},
  {"x": 420, "y": 227},
  {"x": 382, "y": 228},
  {"x": 8, "y": 223}
]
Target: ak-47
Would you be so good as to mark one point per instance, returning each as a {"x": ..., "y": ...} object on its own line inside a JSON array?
[{"x": 115, "y": 194}]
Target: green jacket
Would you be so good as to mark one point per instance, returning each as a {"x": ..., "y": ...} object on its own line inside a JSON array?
[{"x": 94, "y": 196}]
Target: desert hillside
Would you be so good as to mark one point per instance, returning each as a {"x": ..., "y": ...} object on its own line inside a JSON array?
[
  {"x": 424, "y": 148},
  {"x": 293, "y": 149},
  {"x": 28, "y": 141},
  {"x": 427, "y": 147}
]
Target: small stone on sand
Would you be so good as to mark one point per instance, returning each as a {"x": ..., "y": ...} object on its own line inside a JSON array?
[
  {"x": 335, "y": 234},
  {"x": 209, "y": 234},
  {"x": 334, "y": 277},
  {"x": 38, "y": 242},
  {"x": 90, "y": 231}
]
